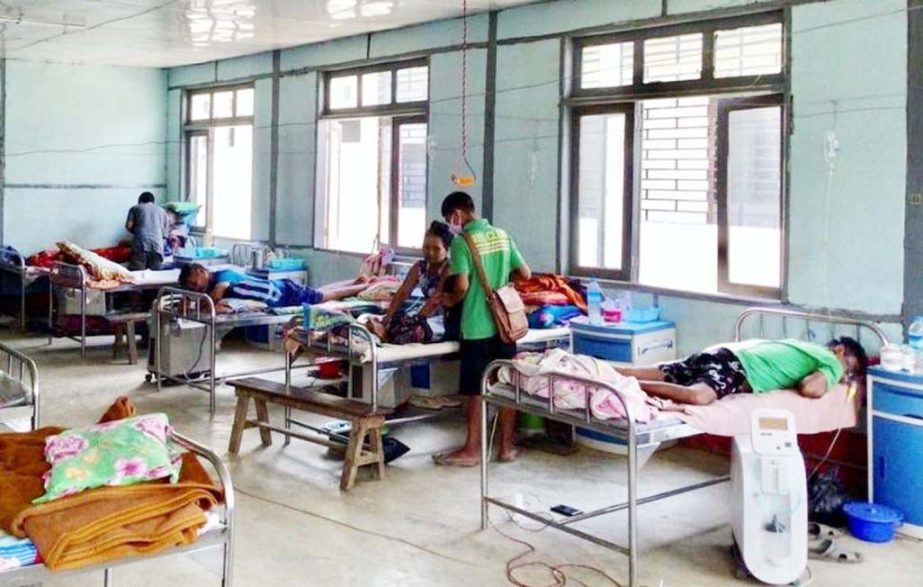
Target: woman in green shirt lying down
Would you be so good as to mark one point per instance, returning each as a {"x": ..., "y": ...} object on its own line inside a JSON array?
[{"x": 755, "y": 367}]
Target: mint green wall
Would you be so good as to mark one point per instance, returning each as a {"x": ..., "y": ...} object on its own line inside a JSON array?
[
  {"x": 849, "y": 78},
  {"x": 81, "y": 143},
  {"x": 526, "y": 152},
  {"x": 858, "y": 66}
]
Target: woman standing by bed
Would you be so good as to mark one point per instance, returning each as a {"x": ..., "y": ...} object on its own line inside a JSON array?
[{"x": 427, "y": 320}]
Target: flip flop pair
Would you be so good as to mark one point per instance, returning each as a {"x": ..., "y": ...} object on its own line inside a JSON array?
[{"x": 827, "y": 549}]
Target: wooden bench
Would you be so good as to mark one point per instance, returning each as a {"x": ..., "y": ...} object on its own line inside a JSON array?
[
  {"x": 123, "y": 324},
  {"x": 364, "y": 421}
]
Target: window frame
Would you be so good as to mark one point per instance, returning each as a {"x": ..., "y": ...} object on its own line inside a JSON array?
[
  {"x": 415, "y": 112},
  {"x": 722, "y": 149},
  {"x": 707, "y": 83},
  {"x": 205, "y": 127},
  {"x": 769, "y": 88},
  {"x": 623, "y": 274},
  {"x": 395, "y": 108}
]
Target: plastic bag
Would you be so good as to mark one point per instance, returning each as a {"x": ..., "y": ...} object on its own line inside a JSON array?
[{"x": 826, "y": 497}]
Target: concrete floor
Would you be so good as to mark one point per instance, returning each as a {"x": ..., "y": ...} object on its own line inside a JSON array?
[{"x": 421, "y": 525}]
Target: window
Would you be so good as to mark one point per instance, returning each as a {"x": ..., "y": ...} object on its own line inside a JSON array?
[
  {"x": 677, "y": 157},
  {"x": 372, "y": 158},
  {"x": 219, "y": 159}
]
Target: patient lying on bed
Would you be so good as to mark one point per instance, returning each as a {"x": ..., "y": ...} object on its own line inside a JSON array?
[
  {"x": 275, "y": 293},
  {"x": 755, "y": 367}
]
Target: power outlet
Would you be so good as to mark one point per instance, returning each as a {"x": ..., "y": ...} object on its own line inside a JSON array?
[{"x": 915, "y": 199}]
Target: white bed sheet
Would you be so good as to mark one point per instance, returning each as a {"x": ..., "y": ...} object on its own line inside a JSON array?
[{"x": 396, "y": 353}]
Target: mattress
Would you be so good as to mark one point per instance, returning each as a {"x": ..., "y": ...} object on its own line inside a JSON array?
[
  {"x": 729, "y": 416},
  {"x": 397, "y": 353}
]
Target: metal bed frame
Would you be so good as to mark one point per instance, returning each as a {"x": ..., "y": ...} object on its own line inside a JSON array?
[
  {"x": 221, "y": 537},
  {"x": 20, "y": 270},
  {"x": 19, "y": 378},
  {"x": 174, "y": 303},
  {"x": 74, "y": 277},
  {"x": 638, "y": 437},
  {"x": 349, "y": 353}
]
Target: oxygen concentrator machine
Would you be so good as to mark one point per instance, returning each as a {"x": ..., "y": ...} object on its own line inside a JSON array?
[{"x": 770, "y": 497}]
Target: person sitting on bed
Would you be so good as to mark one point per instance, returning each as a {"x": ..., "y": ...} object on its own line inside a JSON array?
[
  {"x": 275, "y": 293},
  {"x": 756, "y": 367},
  {"x": 429, "y": 321}
]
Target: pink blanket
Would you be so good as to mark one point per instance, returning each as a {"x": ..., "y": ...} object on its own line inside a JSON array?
[
  {"x": 572, "y": 395},
  {"x": 731, "y": 415}
]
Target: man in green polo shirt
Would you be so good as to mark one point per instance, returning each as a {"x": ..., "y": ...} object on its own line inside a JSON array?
[
  {"x": 755, "y": 367},
  {"x": 480, "y": 343}
]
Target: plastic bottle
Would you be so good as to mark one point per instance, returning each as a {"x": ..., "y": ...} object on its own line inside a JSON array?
[
  {"x": 594, "y": 300},
  {"x": 915, "y": 340},
  {"x": 915, "y": 334}
]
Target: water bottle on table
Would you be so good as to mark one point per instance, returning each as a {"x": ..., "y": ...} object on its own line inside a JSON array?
[
  {"x": 915, "y": 341},
  {"x": 594, "y": 300}
]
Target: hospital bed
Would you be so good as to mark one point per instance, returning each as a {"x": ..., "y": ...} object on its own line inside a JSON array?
[
  {"x": 220, "y": 537},
  {"x": 19, "y": 388},
  {"x": 176, "y": 307},
  {"x": 642, "y": 439},
  {"x": 73, "y": 279},
  {"x": 15, "y": 265},
  {"x": 361, "y": 350}
]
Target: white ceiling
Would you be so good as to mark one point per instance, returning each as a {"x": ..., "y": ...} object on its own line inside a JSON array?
[{"x": 165, "y": 33}]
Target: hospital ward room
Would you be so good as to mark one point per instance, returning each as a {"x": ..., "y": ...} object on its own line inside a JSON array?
[{"x": 541, "y": 293}]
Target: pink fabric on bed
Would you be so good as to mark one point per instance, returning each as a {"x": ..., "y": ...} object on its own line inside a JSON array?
[
  {"x": 571, "y": 395},
  {"x": 731, "y": 415}
]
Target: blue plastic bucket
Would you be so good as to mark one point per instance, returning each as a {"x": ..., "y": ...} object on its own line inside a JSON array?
[{"x": 872, "y": 522}]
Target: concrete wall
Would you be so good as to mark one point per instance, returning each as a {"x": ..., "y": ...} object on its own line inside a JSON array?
[
  {"x": 81, "y": 143},
  {"x": 848, "y": 76}
]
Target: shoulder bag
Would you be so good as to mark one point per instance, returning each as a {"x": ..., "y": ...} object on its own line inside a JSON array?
[{"x": 505, "y": 304}]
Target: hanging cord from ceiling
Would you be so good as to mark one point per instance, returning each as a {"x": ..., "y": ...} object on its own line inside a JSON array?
[{"x": 464, "y": 179}]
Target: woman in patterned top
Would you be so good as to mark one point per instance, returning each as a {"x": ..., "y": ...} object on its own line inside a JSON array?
[{"x": 426, "y": 320}]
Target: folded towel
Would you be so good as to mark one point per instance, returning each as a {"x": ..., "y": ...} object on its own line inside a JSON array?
[
  {"x": 16, "y": 552},
  {"x": 102, "y": 524}
]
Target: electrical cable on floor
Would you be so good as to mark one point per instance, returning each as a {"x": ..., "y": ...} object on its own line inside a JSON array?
[
  {"x": 349, "y": 526},
  {"x": 557, "y": 571},
  {"x": 513, "y": 565}
]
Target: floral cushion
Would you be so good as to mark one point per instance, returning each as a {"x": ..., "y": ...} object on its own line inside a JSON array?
[
  {"x": 98, "y": 267},
  {"x": 121, "y": 452}
]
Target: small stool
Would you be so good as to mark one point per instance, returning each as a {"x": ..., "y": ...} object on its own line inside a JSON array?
[{"x": 123, "y": 326}]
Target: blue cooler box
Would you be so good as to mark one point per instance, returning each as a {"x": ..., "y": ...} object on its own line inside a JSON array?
[{"x": 629, "y": 343}]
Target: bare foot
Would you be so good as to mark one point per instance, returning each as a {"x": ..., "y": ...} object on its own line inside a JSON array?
[
  {"x": 458, "y": 458},
  {"x": 509, "y": 455}
]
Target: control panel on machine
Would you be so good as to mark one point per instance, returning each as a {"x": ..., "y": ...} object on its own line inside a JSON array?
[{"x": 772, "y": 433}]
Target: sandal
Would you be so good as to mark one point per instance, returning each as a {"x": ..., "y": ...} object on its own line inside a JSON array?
[
  {"x": 829, "y": 550},
  {"x": 452, "y": 460},
  {"x": 818, "y": 531}
]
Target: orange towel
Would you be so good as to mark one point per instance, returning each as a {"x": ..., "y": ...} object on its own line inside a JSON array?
[
  {"x": 547, "y": 282},
  {"x": 102, "y": 524}
]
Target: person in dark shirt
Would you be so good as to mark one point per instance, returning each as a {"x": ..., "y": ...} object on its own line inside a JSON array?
[{"x": 149, "y": 225}]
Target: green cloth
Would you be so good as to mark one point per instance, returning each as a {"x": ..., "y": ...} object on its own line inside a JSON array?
[
  {"x": 782, "y": 364},
  {"x": 500, "y": 257},
  {"x": 121, "y": 452}
]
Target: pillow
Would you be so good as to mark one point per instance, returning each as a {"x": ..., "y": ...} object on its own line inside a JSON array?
[
  {"x": 380, "y": 291},
  {"x": 121, "y": 452},
  {"x": 98, "y": 267},
  {"x": 321, "y": 319}
]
